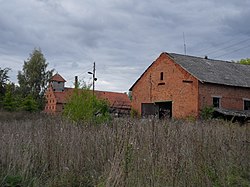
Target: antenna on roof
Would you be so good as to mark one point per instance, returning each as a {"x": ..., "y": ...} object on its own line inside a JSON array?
[{"x": 184, "y": 41}]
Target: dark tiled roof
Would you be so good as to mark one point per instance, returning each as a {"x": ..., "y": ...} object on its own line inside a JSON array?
[
  {"x": 214, "y": 71},
  {"x": 211, "y": 71}
]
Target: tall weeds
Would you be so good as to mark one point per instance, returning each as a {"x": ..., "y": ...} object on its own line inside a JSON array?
[{"x": 53, "y": 152}]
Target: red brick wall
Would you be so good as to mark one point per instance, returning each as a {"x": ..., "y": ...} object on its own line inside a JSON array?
[
  {"x": 50, "y": 106},
  {"x": 231, "y": 97},
  {"x": 184, "y": 95}
]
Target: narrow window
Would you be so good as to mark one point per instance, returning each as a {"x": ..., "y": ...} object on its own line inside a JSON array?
[
  {"x": 246, "y": 104},
  {"x": 161, "y": 76},
  {"x": 216, "y": 102}
]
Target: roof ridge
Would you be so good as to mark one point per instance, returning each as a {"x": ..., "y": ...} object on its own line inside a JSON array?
[
  {"x": 199, "y": 57},
  {"x": 57, "y": 77}
]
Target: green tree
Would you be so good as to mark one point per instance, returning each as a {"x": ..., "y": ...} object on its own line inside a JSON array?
[
  {"x": 83, "y": 106},
  {"x": 34, "y": 78},
  {"x": 245, "y": 61},
  {"x": 29, "y": 104},
  {"x": 4, "y": 78},
  {"x": 9, "y": 100}
]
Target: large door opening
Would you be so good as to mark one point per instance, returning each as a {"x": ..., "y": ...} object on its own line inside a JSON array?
[
  {"x": 149, "y": 110},
  {"x": 162, "y": 110}
]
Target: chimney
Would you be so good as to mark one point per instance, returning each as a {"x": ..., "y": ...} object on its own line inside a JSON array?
[
  {"x": 206, "y": 57},
  {"x": 76, "y": 82}
]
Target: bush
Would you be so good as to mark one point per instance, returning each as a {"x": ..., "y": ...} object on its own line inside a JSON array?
[
  {"x": 134, "y": 113},
  {"x": 207, "y": 112},
  {"x": 83, "y": 106},
  {"x": 12, "y": 181}
]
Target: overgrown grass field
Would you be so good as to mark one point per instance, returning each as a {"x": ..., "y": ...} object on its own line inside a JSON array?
[{"x": 41, "y": 150}]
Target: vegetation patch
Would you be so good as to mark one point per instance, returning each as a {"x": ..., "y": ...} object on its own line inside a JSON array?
[{"x": 51, "y": 151}]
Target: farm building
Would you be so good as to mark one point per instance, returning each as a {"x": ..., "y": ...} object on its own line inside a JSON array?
[
  {"x": 180, "y": 86},
  {"x": 57, "y": 95}
]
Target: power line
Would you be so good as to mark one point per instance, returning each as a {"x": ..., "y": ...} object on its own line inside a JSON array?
[
  {"x": 85, "y": 71},
  {"x": 233, "y": 51},
  {"x": 227, "y": 47},
  {"x": 209, "y": 48}
]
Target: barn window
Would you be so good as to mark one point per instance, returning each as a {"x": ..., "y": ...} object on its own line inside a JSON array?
[
  {"x": 216, "y": 102},
  {"x": 246, "y": 104},
  {"x": 161, "y": 76}
]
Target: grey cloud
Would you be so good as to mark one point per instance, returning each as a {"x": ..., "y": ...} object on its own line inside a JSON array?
[
  {"x": 238, "y": 24},
  {"x": 122, "y": 37}
]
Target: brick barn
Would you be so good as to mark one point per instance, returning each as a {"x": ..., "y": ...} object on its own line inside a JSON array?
[
  {"x": 57, "y": 95},
  {"x": 180, "y": 86}
]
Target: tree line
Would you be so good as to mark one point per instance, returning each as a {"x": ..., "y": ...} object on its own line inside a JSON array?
[{"x": 28, "y": 94}]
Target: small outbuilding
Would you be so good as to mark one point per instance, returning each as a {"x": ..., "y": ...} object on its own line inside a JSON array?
[{"x": 57, "y": 96}]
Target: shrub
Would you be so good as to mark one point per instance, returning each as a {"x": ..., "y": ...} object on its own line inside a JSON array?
[
  {"x": 134, "y": 113},
  {"x": 83, "y": 106},
  {"x": 207, "y": 112},
  {"x": 13, "y": 181}
]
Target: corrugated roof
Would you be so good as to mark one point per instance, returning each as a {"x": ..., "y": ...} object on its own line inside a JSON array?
[
  {"x": 214, "y": 71},
  {"x": 57, "y": 78},
  {"x": 238, "y": 113}
]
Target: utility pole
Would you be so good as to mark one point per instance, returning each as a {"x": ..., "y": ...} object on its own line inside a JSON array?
[{"x": 94, "y": 78}]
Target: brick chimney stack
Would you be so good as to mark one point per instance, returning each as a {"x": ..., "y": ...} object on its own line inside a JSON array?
[{"x": 76, "y": 82}]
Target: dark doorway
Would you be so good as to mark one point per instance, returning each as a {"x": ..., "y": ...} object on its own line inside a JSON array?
[
  {"x": 165, "y": 109},
  {"x": 149, "y": 109},
  {"x": 162, "y": 110}
]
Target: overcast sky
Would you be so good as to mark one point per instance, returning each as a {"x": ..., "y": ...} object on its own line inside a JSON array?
[{"x": 123, "y": 37}]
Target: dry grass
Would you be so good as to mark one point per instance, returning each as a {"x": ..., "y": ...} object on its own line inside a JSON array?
[{"x": 50, "y": 151}]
